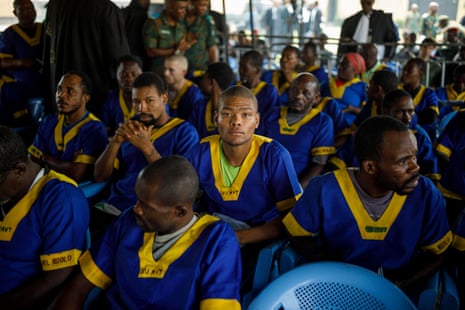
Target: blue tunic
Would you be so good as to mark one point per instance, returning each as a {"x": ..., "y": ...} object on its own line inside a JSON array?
[
  {"x": 265, "y": 187},
  {"x": 115, "y": 111},
  {"x": 332, "y": 209},
  {"x": 175, "y": 137},
  {"x": 202, "y": 118},
  {"x": 201, "y": 269},
  {"x": 187, "y": 99},
  {"x": 45, "y": 231}
]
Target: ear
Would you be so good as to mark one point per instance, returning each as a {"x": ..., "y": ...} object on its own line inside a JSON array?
[
  {"x": 19, "y": 169},
  {"x": 164, "y": 97},
  {"x": 368, "y": 166},
  {"x": 215, "y": 117},
  {"x": 86, "y": 98},
  {"x": 180, "y": 211},
  {"x": 257, "y": 118}
]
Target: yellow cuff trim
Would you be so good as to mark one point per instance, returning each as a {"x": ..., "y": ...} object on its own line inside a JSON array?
[
  {"x": 92, "y": 272},
  {"x": 60, "y": 260}
]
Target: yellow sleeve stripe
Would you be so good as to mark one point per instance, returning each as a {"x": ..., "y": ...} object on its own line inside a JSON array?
[
  {"x": 285, "y": 205},
  {"x": 116, "y": 164},
  {"x": 435, "y": 109},
  {"x": 60, "y": 260},
  {"x": 34, "y": 151},
  {"x": 458, "y": 243},
  {"x": 92, "y": 272},
  {"x": 443, "y": 150},
  {"x": 441, "y": 245},
  {"x": 323, "y": 150},
  {"x": 433, "y": 176},
  {"x": 294, "y": 228},
  {"x": 85, "y": 159},
  {"x": 216, "y": 303}
]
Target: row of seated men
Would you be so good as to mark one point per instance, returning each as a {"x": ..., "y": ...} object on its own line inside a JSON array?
[{"x": 383, "y": 215}]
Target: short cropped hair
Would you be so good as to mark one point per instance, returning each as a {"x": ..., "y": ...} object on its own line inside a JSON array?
[
  {"x": 388, "y": 80},
  {"x": 369, "y": 136},
  {"x": 150, "y": 79},
  {"x": 222, "y": 73},
  {"x": 238, "y": 91},
  {"x": 176, "y": 178},
  {"x": 12, "y": 149},
  {"x": 420, "y": 63},
  {"x": 86, "y": 82},
  {"x": 130, "y": 58},
  {"x": 255, "y": 58},
  {"x": 393, "y": 96},
  {"x": 180, "y": 59}
]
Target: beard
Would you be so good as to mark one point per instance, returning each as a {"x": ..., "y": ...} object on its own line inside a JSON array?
[{"x": 152, "y": 121}]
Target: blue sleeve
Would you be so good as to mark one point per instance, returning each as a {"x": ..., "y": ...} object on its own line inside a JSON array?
[{"x": 187, "y": 137}]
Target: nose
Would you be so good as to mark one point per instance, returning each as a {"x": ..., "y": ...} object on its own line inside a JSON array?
[
  {"x": 413, "y": 165},
  {"x": 235, "y": 120}
]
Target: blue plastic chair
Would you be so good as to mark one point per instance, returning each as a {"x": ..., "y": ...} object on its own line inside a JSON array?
[
  {"x": 91, "y": 189},
  {"x": 440, "y": 293},
  {"x": 331, "y": 285}
]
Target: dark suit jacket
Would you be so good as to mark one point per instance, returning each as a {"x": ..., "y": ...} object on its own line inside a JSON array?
[{"x": 382, "y": 30}]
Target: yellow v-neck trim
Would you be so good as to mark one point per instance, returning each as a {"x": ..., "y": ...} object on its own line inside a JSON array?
[
  {"x": 174, "y": 103},
  {"x": 286, "y": 129},
  {"x": 369, "y": 228},
  {"x": 62, "y": 141},
  {"x": 257, "y": 89},
  {"x": 21, "y": 209},
  {"x": 158, "y": 132},
  {"x": 35, "y": 40},
  {"x": 275, "y": 82},
  {"x": 338, "y": 91},
  {"x": 151, "y": 268},
  {"x": 452, "y": 94},
  {"x": 321, "y": 105},
  {"x": 232, "y": 192},
  {"x": 209, "y": 123},
  {"x": 418, "y": 96},
  {"x": 124, "y": 108}
]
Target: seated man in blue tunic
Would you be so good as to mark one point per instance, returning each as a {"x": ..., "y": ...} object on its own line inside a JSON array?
[
  {"x": 160, "y": 254},
  {"x": 248, "y": 180},
  {"x": 383, "y": 216},
  {"x": 20, "y": 56},
  {"x": 118, "y": 106},
  {"x": 147, "y": 137},
  {"x": 43, "y": 222},
  {"x": 307, "y": 133},
  {"x": 183, "y": 94},
  {"x": 70, "y": 141}
]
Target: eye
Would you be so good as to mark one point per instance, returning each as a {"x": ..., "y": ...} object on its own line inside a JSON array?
[
  {"x": 225, "y": 114},
  {"x": 150, "y": 100}
]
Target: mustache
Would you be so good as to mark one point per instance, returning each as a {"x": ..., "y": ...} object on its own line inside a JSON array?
[
  {"x": 416, "y": 175},
  {"x": 147, "y": 123}
]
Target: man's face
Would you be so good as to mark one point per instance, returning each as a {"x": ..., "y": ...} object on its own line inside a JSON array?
[
  {"x": 411, "y": 74},
  {"x": 308, "y": 55},
  {"x": 8, "y": 185},
  {"x": 177, "y": 9},
  {"x": 303, "y": 95},
  {"x": 367, "y": 5},
  {"x": 126, "y": 74},
  {"x": 69, "y": 95},
  {"x": 402, "y": 109},
  {"x": 289, "y": 60},
  {"x": 425, "y": 51},
  {"x": 173, "y": 73},
  {"x": 248, "y": 72},
  {"x": 25, "y": 12},
  {"x": 237, "y": 118},
  {"x": 149, "y": 104},
  {"x": 397, "y": 168},
  {"x": 200, "y": 7},
  {"x": 373, "y": 91},
  {"x": 152, "y": 215}
]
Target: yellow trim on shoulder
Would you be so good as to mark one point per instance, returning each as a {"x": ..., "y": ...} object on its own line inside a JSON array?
[
  {"x": 443, "y": 150},
  {"x": 35, "y": 40},
  {"x": 34, "y": 151},
  {"x": 157, "y": 133},
  {"x": 62, "y": 141},
  {"x": 232, "y": 192},
  {"x": 21, "y": 209},
  {"x": 217, "y": 303},
  {"x": 321, "y": 105},
  {"x": 337, "y": 162},
  {"x": 20, "y": 113},
  {"x": 418, "y": 96},
  {"x": 294, "y": 228},
  {"x": 150, "y": 268},
  {"x": 291, "y": 130},
  {"x": 458, "y": 243},
  {"x": 441, "y": 245},
  {"x": 60, "y": 260},
  {"x": 369, "y": 228},
  {"x": 124, "y": 108},
  {"x": 338, "y": 91},
  {"x": 287, "y": 204},
  {"x": 175, "y": 102},
  {"x": 209, "y": 122},
  {"x": 275, "y": 81},
  {"x": 92, "y": 272},
  {"x": 449, "y": 194},
  {"x": 85, "y": 159}
]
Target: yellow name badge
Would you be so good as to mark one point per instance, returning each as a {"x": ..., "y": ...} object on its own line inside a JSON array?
[{"x": 60, "y": 260}]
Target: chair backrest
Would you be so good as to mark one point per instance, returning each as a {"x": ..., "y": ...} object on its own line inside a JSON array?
[{"x": 331, "y": 285}]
